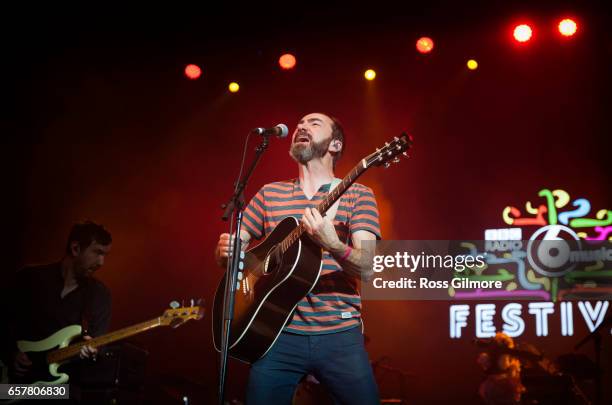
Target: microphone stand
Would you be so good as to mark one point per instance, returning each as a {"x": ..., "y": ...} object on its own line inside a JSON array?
[{"x": 234, "y": 205}]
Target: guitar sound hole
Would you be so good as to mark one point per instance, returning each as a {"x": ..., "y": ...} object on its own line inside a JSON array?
[{"x": 273, "y": 260}]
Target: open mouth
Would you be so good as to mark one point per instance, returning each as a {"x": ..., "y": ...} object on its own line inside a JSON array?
[{"x": 302, "y": 138}]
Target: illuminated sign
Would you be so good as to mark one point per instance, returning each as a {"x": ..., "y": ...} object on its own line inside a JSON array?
[{"x": 548, "y": 266}]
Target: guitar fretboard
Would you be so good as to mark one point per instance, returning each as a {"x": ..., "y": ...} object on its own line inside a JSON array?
[
  {"x": 327, "y": 202},
  {"x": 57, "y": 356}
]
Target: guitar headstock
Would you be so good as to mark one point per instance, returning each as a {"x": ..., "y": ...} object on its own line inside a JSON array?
[
  {"x": 178, "y": 315},
  {"x": 390, "y": 152}
]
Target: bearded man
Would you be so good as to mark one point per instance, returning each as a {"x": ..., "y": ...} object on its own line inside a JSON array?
[{"x": 324, "y": 336}]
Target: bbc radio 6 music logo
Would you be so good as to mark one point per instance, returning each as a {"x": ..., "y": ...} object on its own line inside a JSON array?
[
  {"x": 554, "y": 250},
  {"x": 568, "y": 255}
]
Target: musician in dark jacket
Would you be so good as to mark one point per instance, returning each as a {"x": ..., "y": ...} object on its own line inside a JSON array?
[{"x": 40, "y": 300}]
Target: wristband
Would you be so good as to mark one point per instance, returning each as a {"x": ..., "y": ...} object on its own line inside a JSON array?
[{"x": 346, "y": 253}]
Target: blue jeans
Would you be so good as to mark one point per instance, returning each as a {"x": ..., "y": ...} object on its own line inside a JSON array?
[{"x": 338, "y": 360}]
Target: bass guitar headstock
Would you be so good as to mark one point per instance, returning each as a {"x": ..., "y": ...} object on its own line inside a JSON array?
[{"x": 178, "y": 315}]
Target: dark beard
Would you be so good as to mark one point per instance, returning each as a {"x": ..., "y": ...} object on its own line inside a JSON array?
[
  {"x": 80, "y": 272},
  {"x": 305, "y": 153},
  {"x": 81, "y": 275}
]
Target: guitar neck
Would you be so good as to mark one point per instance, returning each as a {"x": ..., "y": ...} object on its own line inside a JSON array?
[
  {"x": 60, "y": 355},
  {"x": 327, "y": 202}
]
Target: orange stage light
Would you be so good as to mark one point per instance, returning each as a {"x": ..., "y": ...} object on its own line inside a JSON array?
[
  {"x": 193, "y": 71},
  {"x": 287, "y": 61},
  {"x": 425, "y": 45}
]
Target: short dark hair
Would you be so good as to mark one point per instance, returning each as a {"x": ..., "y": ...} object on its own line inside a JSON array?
[
  {"x": 337, "y": 133},
  {"x": 86, "y": 233}
]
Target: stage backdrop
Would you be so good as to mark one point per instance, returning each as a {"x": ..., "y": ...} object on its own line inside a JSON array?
[{"x": 106, "y": 127}]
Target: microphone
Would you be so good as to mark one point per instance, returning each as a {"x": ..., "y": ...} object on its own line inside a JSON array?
[{"x": 280, "y": 131}]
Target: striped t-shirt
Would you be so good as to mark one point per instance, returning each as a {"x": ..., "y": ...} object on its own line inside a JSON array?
[{"x": 334, "y": 303}]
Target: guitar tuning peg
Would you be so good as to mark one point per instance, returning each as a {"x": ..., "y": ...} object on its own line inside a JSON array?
[
  {"x": 387, "y": 164},
  {"x": 398, "y": 147},
  {"x": 395, "y": 138},
  {"x": 396, "y": 159},
  {"x": 387, "y": 144},
  {"x": 405, "y": 154},
  {"x": 174, "y": 305},
  {"x": 377, "y": 149}
]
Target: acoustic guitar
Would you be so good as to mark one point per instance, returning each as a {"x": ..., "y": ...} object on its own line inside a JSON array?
[{"x": 282, "y": 270}]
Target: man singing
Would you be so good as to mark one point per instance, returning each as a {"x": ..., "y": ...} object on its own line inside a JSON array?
[{"x": 324, "y": 337}]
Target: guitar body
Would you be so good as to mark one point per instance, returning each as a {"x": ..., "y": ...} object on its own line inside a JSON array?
[
  {"x": 41, "y": 371},
  {"x": 269, "y": 290}
]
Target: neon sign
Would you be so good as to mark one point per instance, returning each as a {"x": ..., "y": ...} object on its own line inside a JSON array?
[{"x": 524, "y": 265}]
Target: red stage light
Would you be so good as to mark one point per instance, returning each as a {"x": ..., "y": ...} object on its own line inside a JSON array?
[
  {"x": 193, "y": 71},
  {"x": 522, "y": 33},
  {"x": 425, "y": 45},
  {"x": 287, "y": 61},
  {"x": 567, "y": 27}
]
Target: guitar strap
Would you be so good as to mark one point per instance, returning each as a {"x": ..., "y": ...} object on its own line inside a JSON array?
[{"x": 331, "y": 212}]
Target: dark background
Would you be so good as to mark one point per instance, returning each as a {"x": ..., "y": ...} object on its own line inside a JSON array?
[{"x": 101, "y": 123}]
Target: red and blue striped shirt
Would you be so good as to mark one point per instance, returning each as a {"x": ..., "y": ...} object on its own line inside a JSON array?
[{"x": 334, "y": 304}]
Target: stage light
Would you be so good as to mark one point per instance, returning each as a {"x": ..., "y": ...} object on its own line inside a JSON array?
[
  {"x": 287, "y": 61},
  {"x": 522, "y": 33},
  {"x": 424, "y": 45},
  {"x": 233, "y": 87},
  {"x": 369, "y": 74},
  {"x": 472, "y": 64},
  {"x": 193, "y": 71},
  {"x": 567, "y": 27}
]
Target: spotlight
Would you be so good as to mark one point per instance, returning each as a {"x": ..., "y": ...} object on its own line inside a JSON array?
[
  {"x": 233, "y": 87},
  {"x": 287, "y": 61},
  {"x": 472, "y": 64},
  {"x": 369, "y": 74},
  {"x": 193, "y": 71},
  {"x": 522, "y": 33},
  {"x": 425, "y": 45},
  {"x": 567, "y": 27}
]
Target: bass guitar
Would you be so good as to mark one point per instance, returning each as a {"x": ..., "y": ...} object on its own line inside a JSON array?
[{"x": 48, "y": 355}]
